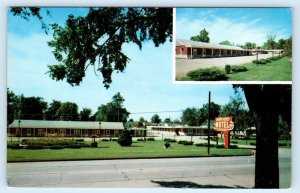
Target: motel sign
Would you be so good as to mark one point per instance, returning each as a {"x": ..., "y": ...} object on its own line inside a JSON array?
[{"x": 224, "y": 125}]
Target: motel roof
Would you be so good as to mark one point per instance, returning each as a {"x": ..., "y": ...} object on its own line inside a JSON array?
[
  {"x": 196, "y": 44},
  {"x": 42, "y": 124}
]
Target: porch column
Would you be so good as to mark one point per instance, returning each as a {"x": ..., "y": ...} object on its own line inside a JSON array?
[
  {"x": 230, "y": 52},
  {"x": 202, "y": 52},
  {"x": 212, "y": 52},
  {"x": 191, "y": 52},
  {"x": 220, "y": 53}
]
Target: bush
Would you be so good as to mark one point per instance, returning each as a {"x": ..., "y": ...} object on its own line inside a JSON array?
[
  {"x": 188, "y": 143},
  {"x": 94, "y": 144},
  {"x": 79, "y": 140},
  {"x": 150, "y": 139},
  {"x": 140, "y": 140},
  {"x": 14, "y": 146},
  {"x": 238, "y": 69},
  {"x": 233, "y": 147},
  {"x": 34, "y": 147},
  {"x": 114, "y": 139},
  {"x": 167, "y": 145},
  {"x": 125, "y": 138},
  {"x": 170, "y": 140},
  {"x": 209, "y": 74},
  {"x": 201, "y": 144},
  {"x": 227, "y": 69},
  {"x": 105, "y": 140},
  {"x": 282, "y": 144},
  {"x": 234, "y": 142},
  {"x": 252, "y": 143}
]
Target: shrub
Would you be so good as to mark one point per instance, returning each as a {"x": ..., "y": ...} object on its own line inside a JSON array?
[
  {"x": 209, "y": 74},
  {"x": 252, "y": 143},
  {"x": 105, "y": 140},
  {"x": 167, "y": 145},
  {"x": 227, "y": 69},
  {"x": 282, "y": 144},
  {"x": 79, "y": 140},
  {"x": 201, "y": 144},
  {"x": 125, "y": 138},
  {"x": 234, "y": 142},
  {"x": 14, "y": 146},
  {"x": 94, "y": 144},
  {"x": 150, "y": 139},
  {"x": 233, "y": 147},
  {"x": 140, "y": 139},
  {"x": 238, "y": 69},
  {"x": 188, "y": 143},
  {"x": 170, "y": 140},
  {"x": 181, "y": 142},
  {"x": 114, "y": 139},
  {"x": 34, "y": 147}
]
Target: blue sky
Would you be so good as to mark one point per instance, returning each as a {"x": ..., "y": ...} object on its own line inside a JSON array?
[
  {"x": 237, "y": 25},
  {"x": 146, "y": 83}
]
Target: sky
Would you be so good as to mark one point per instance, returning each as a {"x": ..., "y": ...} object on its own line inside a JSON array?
[
  {"x": 146, "y": 84},
  {"x": 237, "y": 25}
]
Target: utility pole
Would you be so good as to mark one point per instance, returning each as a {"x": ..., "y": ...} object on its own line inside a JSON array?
[{"x": 208, "y": 125}]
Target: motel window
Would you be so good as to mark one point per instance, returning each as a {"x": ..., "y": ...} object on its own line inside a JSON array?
[
  {"x": 86, "y": 132},
  {"x": 77, "y": 132},
  {"x": 97, "y": 131},
  {"x": 107, "y": 132},
  {"x": 29, "y": 132},
  {"x": 40, "y": 131}
]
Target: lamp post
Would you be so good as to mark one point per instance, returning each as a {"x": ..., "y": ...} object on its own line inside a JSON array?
[
  {"x": 99, "y": 130},
  {"x": 19, "y": 133}
]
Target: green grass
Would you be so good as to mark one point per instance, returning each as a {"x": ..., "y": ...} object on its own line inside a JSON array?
[
  {"x": 111, "y": 150},
  {"x": 278, "y": 70}
]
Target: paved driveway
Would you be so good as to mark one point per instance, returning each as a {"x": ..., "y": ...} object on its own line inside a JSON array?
[{"x": 183, "y": 66}]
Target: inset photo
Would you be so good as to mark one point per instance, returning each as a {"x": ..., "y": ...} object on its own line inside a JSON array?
[{"x": 233, "y": 44}]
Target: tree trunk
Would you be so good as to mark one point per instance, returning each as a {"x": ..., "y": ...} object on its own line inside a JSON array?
[{"x": 263, "y": 101}]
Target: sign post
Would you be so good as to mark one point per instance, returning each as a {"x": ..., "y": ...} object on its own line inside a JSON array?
[{"x": 225, "y": 125}]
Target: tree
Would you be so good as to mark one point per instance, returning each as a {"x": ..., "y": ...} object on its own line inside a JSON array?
[
  {"x": 50, "y": 113},
  {"x": 267, "y": 102},
  {"x": 68, "y": 111},
  {"x": 141, "y": 122},
  {"x": 241, "y": 117},
  {"x": 249, "y": 45},
  {"x": 202, "y": 37},
  {"x": 27, "y": 12},
  {"x": 32, "y": 108},
  {"x": 281, "y": 43},
  {"x": 11, "y": 106},
  {"x": 227, "y": 43},
  {"x": 271, "y": 42},
  {"x": 155, "y": 119},
  {"x": 96, "y": 40},
  {"x": 191, "y": 116},
  {"x": 113, "y": 111},
  {"x": 288, "y": 47},
  {"x": 85, "y": 114},
  {"x": 214, "y": 111}
]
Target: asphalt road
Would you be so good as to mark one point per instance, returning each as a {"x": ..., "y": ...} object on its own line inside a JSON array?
[{"x": 213, "y": 172}]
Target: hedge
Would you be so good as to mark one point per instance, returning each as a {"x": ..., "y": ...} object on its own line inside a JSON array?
[{"x": 208, "y": 74}]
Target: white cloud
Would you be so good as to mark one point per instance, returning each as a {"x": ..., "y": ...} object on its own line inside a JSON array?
[{"x": 221, "y": 29}]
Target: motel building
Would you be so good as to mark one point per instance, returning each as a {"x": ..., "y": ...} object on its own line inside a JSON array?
[
  {"x": 189, "y": 49},
  {"x": 42, "y": 128}
]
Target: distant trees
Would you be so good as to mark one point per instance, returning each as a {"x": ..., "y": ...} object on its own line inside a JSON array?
[
  {"x": 227, "y": 43},
  {"x": 249, "y": 45},
  {"x": 85, "y": 114},
  {"x": 155, "y": 119},
  {"x": 202, "y": 37},
  {"x": 50, "y": 113},
  {"x": 113, "y": 111},
  {"x": 67, "y": 111}
]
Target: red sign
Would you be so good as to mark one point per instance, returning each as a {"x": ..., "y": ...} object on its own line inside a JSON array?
[{"x": 223, "y": 123}]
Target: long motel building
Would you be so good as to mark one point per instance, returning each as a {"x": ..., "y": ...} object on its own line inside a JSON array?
[
  {"x": 193, "y": 49},
  {"x": 42, "y": 128},
  {"x": 189, "y": 49}
]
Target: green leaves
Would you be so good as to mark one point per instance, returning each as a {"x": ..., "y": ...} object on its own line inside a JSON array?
[{"x": 97, "y": 40}]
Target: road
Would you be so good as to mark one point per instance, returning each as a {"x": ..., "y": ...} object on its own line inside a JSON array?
[{"x": 211, "y": 172}]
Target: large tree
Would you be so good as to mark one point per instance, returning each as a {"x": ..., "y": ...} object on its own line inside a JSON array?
[
  {"x": 113, "y": 111},
  {"x": 267, "y": 102},
  {"x": 202, "y": 37},
  {"x": 236, "y": 108},
  {"x": 215, "y": 110},
  {"x": 85, "y": 114},
  {"x": 97, "y": 39},
  {"x": 191, "y": 116},
  {"x": 288, "y": 47},
  {"x": 249, "y": 45},
  {"x": 155, "y": 119},
  {"x": 226, "y": 43},
  {"x": 68, "y": 111},
  {"x": 50, "y": 113},
  {"x": 32, "y": 108}
]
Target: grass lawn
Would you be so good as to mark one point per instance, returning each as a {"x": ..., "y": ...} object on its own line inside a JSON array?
[
  {"x": 278, "y": 70},
  {"x": 112, "y": 150}
]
